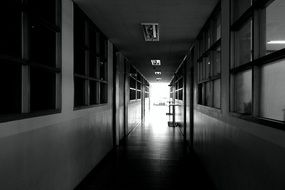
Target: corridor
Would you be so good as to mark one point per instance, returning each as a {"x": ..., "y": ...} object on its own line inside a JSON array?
[
  {"x": 77, "y": 83},
  {"x": 153, "y": 157}
]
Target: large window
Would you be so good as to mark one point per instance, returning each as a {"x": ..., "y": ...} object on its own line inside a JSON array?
[
  {"x": 30, "y": 56},
  {"x": 179, "y": 88},
  {"x": 209, "y": 62},
  {"x": 146, "y": 89},
  {"x": 90, "y": 62},
  {"x": 258, "y": 66},
  {"x": 136, "y": 81}
]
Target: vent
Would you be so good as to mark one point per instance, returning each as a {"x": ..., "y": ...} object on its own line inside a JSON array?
[
  {"x": 155, "y": 62},
  {"x": 150, "y": 31}
]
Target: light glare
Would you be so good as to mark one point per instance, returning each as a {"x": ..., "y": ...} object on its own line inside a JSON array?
[{"x": 276, "y": 42}]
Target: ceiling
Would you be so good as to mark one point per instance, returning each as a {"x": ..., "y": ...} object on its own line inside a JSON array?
[{"x": 179, "y": 22}]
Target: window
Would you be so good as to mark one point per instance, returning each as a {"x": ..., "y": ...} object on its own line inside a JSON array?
[
  {"x": 29, "y": 54},
  {"x": 136, "y": 83},
  {"x": 209, "y": 62},
  {"x": 257, "y": 72},
  {"x": 274, "y": 33},
  {"x": 90, "y": 62},
  {"x": 146, "y": 89},
  {"x": 177, "y": 85},
  {"x": 241, "y": 68}
]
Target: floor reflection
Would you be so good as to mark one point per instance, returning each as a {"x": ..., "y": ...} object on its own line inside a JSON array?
[{"x": 152, "y": 157}]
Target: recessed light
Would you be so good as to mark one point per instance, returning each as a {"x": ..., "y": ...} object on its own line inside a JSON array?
[
  {"x": 157, "y": 73},
  {"x": 155, "y": 62},
  {"x": 276, "y": 42}
]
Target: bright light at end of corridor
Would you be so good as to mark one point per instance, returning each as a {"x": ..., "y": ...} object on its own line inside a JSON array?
[
  {"x": 159, "y": 93},
  {"x": 159, "y": 90}
]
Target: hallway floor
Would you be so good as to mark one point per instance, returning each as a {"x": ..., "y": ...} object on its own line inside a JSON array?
[{"x": 153, "y": 158}]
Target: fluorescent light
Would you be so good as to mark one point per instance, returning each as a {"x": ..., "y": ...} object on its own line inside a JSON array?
[
  {"x": 158, "y": 78},
  {"x": 157, "y": 73},
  {"x": 276, "y": 42},
  {"x": 155, "y": 62},
  {"x": 151, "y": 31}
]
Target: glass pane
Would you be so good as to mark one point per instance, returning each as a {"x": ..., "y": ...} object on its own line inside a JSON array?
[
  {"x": 132, "y": 83},
  {"x": 44, "y": 8},
  {"x": 200, "y": 94},
  {"x": 132, "y": 94},
  {"x": 243, "y": 92},
  {"x": 217, "y": 61},
  {"x": 275, "y": 27},
  {"x": 273, "y": 90},
  {"x": 103, "y": 47},
  {"x": 200, "y": 71},
  {"x": 79, "y": 61},
  {"x": 181, "y": 94},
  {"x": 201, "y": 45},
  {"x": 243, "y": 44},
  {"x": 138, "y": 85},
  {"x": 139, "y": 77},
  {"x": 203, "y": 69},
  {"x": 103, "y": 71},
  {"x": 207, "y": 67},
  {"x": 208, "y": 97},
  {"x": 217, "y": 29},
  {"x": 138, "y": 94},
  {"x": 103, "y": 93},
  {"x": 239, "y": 7},
  {"x": 10, "y": 33},
  {"x": 94, "y": 94},
  {"x": 79, "y": 29},
  {"x": 93, "y": 62},
  {"x": 43, "y": 88},
  {"x": 92, "y": 37},
  {"x": 10, "y": 82},
  {"x": 79, "y": 92},
  {"x": 217, "y": 93},
  {"x": 43, "y": 45},
  {"x": 208, "y": 38},
  {"x": 203, "y": 94}
]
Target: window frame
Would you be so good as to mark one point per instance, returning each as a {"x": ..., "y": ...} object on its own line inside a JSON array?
[
  {"x": 203, "y": 79},
  {"x": 258, "y": 60},
  {"x": 101, "y": 58},
  {"x": 24, "y": 61},
  {"x": 138, "y": 80}
]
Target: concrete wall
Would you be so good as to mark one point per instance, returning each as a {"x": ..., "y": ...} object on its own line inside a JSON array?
[
  {"x": 238, "y": 154},
  {"x": 57, "y": 151}
]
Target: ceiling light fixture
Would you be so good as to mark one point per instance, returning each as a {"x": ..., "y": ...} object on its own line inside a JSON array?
[
  {"x": 150, "y": 31},
  {"x": 276, "y": 42},
  {"x": 157, "y": 73},
  {"x": 158, "y": 78},
  {"x": 155, "y": 62}
]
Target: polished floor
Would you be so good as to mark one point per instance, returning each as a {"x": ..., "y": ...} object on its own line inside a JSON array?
[{"x": 154, "y": 157}]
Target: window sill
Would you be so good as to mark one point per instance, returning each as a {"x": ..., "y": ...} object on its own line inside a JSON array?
[
  {"x": 211, "y": 111},
  {"x": 20, "y": 116},
  {"x": 136, "y": 100},
  {"x": 88, "y": 107},
  {"x": 263, "y": 121}
]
